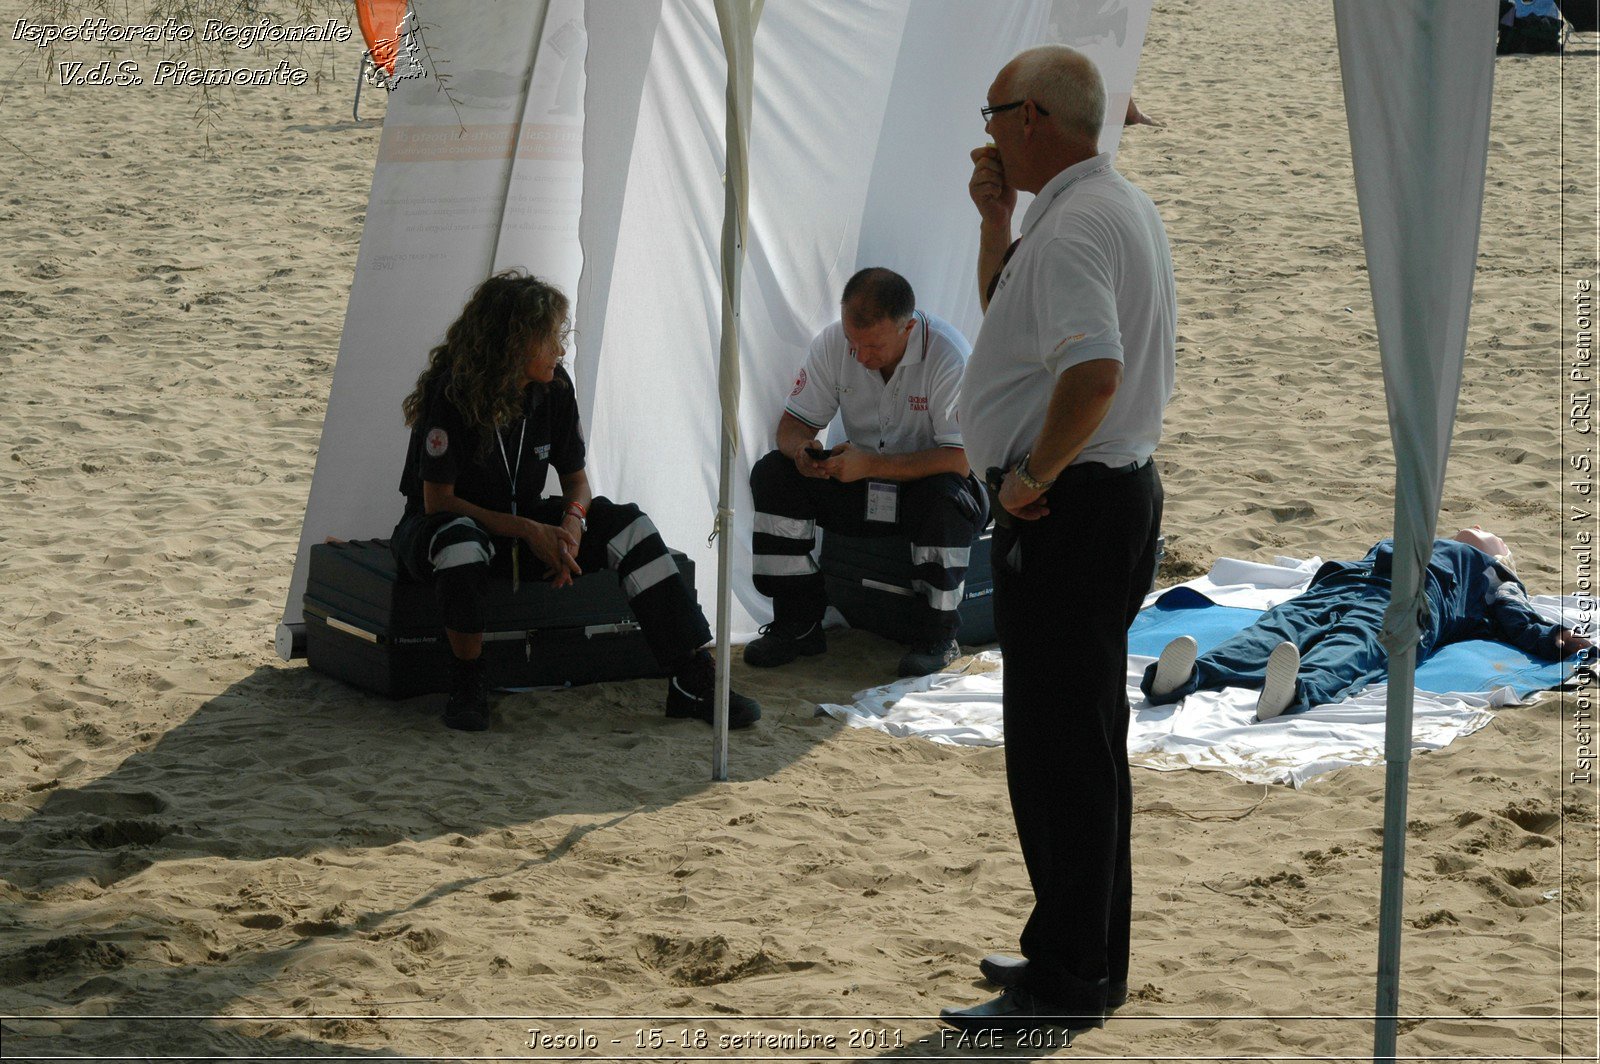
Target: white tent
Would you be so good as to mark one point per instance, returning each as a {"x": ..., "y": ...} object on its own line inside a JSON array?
[
  {"x": 861, "y": 123},
  {"x": 860, "y": 119}
]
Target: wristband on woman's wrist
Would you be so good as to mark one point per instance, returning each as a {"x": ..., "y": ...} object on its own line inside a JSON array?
[{"x": 576, "y": 510}]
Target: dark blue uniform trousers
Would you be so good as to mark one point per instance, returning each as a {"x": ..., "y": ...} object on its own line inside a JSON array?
[
  {"x": 620, "y": 537},
  {"x": 941, "y": 515}
]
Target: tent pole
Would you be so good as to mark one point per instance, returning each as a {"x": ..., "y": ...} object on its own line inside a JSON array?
[
  {"x": 1397, "y": 755},
  {"x": 1418, "y": 79},
  {"x": 736, "y": 20}
]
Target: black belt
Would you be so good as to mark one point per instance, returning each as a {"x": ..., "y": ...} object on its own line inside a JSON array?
[
  {"x": 1081, "y": 473},
  {"x": 1089, "y": 472}
]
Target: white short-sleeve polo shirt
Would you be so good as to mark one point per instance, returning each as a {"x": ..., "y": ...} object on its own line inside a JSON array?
[
  {"x": 914, "y": 410},
  {"x": 1091, "y": 278}
]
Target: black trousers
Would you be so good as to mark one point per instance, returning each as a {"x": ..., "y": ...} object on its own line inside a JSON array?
[
  {"x": 941, "y": 515},
  {"x": 1066, "y": 588},
  {"x": 620, "y": 537}
]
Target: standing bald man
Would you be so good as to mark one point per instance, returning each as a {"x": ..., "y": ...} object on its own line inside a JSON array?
[{"x": 1065, "y": 390}]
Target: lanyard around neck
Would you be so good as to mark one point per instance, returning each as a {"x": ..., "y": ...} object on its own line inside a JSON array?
[{"x": 511, "y": 474}]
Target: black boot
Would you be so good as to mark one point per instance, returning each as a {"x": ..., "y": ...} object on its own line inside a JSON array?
[
  {"x": 929, "y": 656},
  {"x": 692, "y": 692},
  {"x": 468, "y": 708},
  {"x": 783, "y": 641}
]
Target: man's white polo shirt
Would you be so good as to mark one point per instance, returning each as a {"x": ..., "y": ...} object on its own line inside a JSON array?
[
  {"x": 1090, "y": 279},
  {"x": 915, "y": 410}
]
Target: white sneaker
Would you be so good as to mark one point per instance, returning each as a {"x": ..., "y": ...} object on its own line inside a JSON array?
[
  {"x": 1283, "y": 667},
  {"x": 1174, "y": 666}
]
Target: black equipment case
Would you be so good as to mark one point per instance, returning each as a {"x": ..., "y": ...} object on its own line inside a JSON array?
[
  {"x": 368, "y": 627},
  {"x": 868, "y": 580}
]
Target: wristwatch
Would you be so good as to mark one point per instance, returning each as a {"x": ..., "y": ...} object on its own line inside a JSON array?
[
  {"x": 574, "y": 510},
  {"x": 1029, "y": 481}
]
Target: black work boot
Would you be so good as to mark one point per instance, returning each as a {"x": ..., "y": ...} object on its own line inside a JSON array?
[
  {"x": 468, "y": 707},
  {"x": 930, "y": 656},
  {"x": 783, "y": 641},
  {"x": 692, "y": 692}
]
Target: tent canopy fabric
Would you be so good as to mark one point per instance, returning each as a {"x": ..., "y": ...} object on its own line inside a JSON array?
[{"x": 1417, "y": 82}]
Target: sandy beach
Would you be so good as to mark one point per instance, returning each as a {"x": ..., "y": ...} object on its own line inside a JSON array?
[{"x": 192, "y": 828}]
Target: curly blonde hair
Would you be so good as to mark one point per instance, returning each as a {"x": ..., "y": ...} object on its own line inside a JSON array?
[{"x": 486, "y": 349}]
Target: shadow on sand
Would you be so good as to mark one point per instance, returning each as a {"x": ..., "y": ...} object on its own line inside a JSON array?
[{"x": 286, "y": 763}]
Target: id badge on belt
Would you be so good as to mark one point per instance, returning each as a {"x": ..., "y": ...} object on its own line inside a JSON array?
[{"x": 883, "y": 501}]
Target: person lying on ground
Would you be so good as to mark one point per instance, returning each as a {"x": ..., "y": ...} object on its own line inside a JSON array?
[{"x": 1324, "y": 644}]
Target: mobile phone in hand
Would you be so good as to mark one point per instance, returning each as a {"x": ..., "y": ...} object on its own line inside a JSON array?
[{"x": 818, "y": 454}]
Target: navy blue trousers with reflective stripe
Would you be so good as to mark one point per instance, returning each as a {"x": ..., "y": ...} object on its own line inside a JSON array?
[
  {"x": 620, "y": 537},
  {"x": 941, "y": 515}
]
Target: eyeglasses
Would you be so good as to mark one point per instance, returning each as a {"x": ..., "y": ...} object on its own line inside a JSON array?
[{"x": 990, "y": 112}]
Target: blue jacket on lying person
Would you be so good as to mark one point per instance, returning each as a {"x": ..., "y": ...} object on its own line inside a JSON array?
[{"x": 1324, "y": 644}]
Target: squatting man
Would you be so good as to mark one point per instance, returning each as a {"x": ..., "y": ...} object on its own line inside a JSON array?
[{"x": 894, "y": 372}]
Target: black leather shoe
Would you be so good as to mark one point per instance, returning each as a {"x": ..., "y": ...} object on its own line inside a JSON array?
[
  {"x": 1004, "y": 971},
  {"x": 1016, "y": 1011}
]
